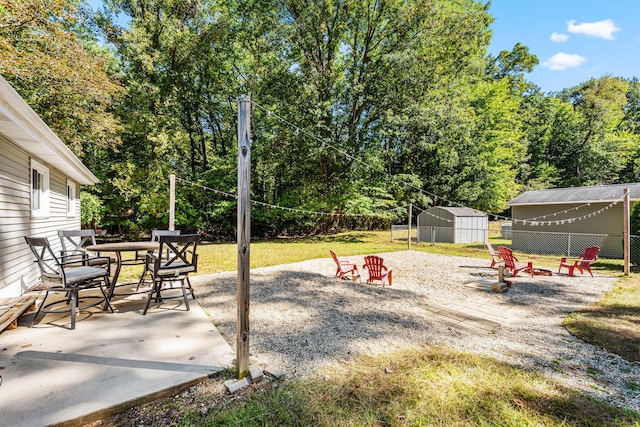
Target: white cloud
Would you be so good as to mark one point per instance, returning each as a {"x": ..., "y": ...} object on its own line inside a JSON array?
[
  {"x": 601, "y": 29},
  {"x": 559, "y": 38},
  {"x": 561, "y": 61}
]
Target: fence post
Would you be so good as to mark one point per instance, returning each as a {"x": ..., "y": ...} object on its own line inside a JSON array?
[
  {"x": 391, "y": 233},
  {"x": 569, "y": 244},
  {"x": 627, "y": 238},
  {"x": 172, "y": 202},
  {"x": 433, "y": 235},
  {"x": 409, "y": 229}
]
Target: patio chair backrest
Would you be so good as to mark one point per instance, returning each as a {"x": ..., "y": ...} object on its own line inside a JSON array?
[
  {"x": 335, "y": 257},
  {"x": 507, "y": 255},
  {"x": 590, "y": 255},
  {"x": 155, "y": 234},
  {"x": 155, "y": 237},
  {"x": 375, "y": 265},
  {"x": 74, "y": 241},
  {"x": 48, "y": 263},
  {"x": 490, "y": 249},
  {"x": 182, "y": 258}
]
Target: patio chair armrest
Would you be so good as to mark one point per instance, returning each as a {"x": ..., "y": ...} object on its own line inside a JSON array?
[
  {"x": 151, "y": 256},
  {"x": 105, "y": 260},
  {"x": 73, "y": 259}
]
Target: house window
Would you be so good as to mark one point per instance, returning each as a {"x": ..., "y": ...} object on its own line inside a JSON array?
[
  {"x": 39, "y": 190},
  {"x": 71, "y": 199}
]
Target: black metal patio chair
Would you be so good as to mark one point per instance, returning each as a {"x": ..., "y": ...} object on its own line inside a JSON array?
[
  {"x": 71, "y": 276},
  {"x": 182, "y": 259}
]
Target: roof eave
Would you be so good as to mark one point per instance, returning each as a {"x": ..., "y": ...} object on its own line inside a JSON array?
[{"x": 22, "y": 126}]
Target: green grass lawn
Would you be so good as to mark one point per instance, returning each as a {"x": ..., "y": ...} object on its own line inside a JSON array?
[
  {"x": 218, "y": 257},
  {"x": 434, "y": 386},
  {"x": 431, "y": 386}
]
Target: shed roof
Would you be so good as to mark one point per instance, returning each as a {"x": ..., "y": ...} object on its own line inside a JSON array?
[
  {"x": 460, "y": 211},
  {"x": 593, "y": 194},
  {"x": 21, "y": 125}
]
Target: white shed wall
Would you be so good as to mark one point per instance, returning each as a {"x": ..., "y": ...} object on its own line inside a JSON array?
[{"x": 451, "y": 228}]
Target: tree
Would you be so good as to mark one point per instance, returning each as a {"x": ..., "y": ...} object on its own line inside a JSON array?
[
  {"x": 179, "y": 114},
  {"x": 588, "y": 146},
  {"x": 49, "y": 57},
  {"x": 513, "y": 65}
]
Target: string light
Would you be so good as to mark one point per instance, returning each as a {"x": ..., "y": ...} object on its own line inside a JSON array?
[
  {"x": 555, "y": 213},
  {"x": 285, "y": 208},
  {"x": 435, "y": 197}
]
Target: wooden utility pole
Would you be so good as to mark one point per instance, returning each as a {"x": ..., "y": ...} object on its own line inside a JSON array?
[
  {"x": 172, "y": 202},
  {"x": 410, "y": 206},
  {"x": 244, "y": 234},
  {"x": 626, "y": 208}
]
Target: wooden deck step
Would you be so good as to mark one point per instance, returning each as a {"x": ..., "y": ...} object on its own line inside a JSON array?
[{"x": 12, "y": 308}]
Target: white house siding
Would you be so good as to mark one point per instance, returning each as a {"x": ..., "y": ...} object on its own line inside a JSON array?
[
  {"x": 17, "y": 269},
  {"x": 608, "y": 222}
]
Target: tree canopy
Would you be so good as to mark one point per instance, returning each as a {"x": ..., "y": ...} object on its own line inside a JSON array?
[{"x": 360, "y": 107}]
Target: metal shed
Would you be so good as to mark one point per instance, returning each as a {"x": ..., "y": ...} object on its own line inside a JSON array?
[{"x": 452, "y": 225}]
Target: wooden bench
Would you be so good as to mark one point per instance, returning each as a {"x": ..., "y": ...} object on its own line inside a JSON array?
[{"x": 12, "y": 308}]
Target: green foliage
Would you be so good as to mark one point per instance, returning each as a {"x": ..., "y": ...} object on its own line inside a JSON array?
[
  {"x": 91, "y": 210},
  {"x": 361, "y": 107},
  {"x": 49, "y": 56}
]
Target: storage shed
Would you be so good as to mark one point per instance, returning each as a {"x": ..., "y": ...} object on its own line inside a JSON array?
[
  {"x": 40, "y": 181},
  {"x": 550, "y": 217},
  {"x": 452, "y": 225}
]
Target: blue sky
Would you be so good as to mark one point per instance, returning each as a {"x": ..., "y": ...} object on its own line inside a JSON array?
[{"x": 574, "y": 40}]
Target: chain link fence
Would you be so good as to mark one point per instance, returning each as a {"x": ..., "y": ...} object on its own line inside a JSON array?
[
  {"x": 634, "y": 255},
  {"x": 402, "y": 233},
  {"x": 531, "y": 242},
  {"x": 556, "y": 243}
]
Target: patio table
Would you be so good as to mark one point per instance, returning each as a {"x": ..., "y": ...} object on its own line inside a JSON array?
[{"x": 118, "y": 248}]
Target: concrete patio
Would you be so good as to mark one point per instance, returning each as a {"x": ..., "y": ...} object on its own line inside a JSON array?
[{"x": 55, "y": 376}]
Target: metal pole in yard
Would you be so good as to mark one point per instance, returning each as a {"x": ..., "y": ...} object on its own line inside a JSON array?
[
  {"x": 410, "y": 206},
  {"x": 172, "y": 202},
  {"x": 626, "y": 208},
  {"x": 244, "y": 234}
]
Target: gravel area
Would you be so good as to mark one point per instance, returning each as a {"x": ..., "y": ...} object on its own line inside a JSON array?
[{"x": 303, "y": 319}]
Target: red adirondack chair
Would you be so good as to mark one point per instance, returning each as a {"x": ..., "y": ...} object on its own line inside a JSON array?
[
  {"x": 512, "y": 263},
  {"x": 377, "y": 271},
  {"x": 345, "y": 268},
  {"x": 583, "y": 263},
  {"x": 495, "y": 257}
]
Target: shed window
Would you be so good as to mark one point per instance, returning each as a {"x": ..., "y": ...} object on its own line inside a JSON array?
[
  {"x": 39, "y": 190},
  {"x": 71, "y": 199}
]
